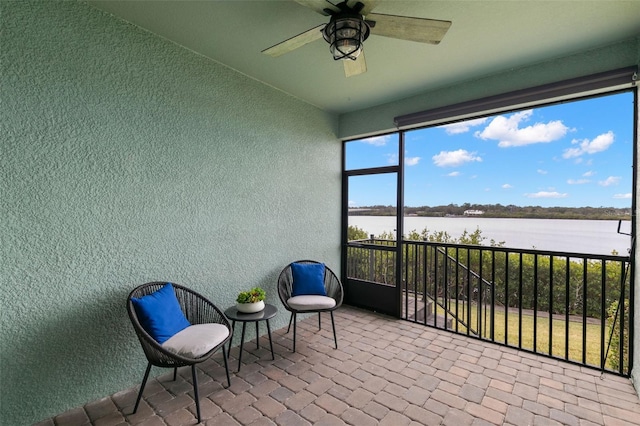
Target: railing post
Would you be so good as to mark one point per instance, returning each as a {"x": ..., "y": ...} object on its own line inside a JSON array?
[{"x": 372, "y": 260}]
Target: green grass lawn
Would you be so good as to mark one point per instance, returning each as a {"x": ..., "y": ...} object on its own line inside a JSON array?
[{"x": 525, "y": 340}]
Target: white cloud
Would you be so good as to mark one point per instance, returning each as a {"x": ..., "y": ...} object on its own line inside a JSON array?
[
  {"x": 507, "y": 186},
  {"x": 622, "y": 196},
  {"x": 546, "y": 194},
  {"x": 589, "y": 173},
  {"x": 578, "y": 181},
  {"x": 585, "y": 146},
  {"x": 542, "y": 172},
  {"x": 464, "y": 126},
  {"x": 611, "y": 180},
  {"x": 411, "y": 161},
  {"x": 377, "y": 140},
  {"x": 454, "y": 158},
  {"x": 453, "y": 174},
  {"x": 507, "y": 130}
]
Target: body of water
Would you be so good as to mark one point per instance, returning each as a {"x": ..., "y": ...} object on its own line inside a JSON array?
[{"x": 578, "y": 236}]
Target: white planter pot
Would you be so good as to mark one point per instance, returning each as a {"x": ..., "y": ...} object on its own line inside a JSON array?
[{"x": 249, "y": 308}]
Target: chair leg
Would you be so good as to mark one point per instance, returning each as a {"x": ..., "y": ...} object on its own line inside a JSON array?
[
  {"x": 195, "y": 390},
  {"x": 273, "y": 357},
  {"x": 175, "y": 373},
  {"x": 226, "y": 364},
  {"x": 144, "y": 383},
  {"x": 319, "y": 321},
  {"x": 233, "y": 330},
  {"x": 290, "y": 319},
  {"x": 294, "y": 331},
  {"x": 333, "y": 324}
]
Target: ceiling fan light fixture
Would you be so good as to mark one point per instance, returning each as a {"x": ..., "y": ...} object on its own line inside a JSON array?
[
  {"x": 347, "y": 30},
  {"x": 345, "y": 35}
]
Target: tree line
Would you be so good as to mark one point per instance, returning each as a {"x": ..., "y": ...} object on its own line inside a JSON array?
[{"x": 501, "y": 211}]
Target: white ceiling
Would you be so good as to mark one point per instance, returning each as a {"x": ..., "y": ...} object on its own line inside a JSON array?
[{"x": 485, "y": 37}]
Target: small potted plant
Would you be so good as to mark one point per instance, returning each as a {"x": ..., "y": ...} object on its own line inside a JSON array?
[{"x": 251, "y": 301}]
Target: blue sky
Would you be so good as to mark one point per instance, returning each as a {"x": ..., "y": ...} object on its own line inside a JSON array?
[{"x": 573, "y": 154}]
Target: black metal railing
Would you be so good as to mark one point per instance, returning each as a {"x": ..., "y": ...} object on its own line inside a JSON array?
[
  {"x": 571, "y": 306},
  {"x": 372, "y": 260}
]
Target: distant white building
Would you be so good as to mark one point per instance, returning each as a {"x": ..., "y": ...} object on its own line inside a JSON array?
[{"x": 473, "y": 212}]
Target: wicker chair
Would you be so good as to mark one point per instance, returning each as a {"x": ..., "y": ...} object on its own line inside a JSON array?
[
  {"x": 198, "y": 310},
  {"x": 332, "y": 286}
]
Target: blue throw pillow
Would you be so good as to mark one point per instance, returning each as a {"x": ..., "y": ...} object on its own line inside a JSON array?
[
  {"x": 160, "y": 313},
  {"x": 308, "y": 279}
]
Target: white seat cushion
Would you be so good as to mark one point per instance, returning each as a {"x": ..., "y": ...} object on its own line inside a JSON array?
[
  {"x": 310, "y": 303},
  {"x": 196, "y": 340}
]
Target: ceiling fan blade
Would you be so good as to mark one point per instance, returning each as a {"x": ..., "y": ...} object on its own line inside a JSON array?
[
  {"x": 407, "y": 28},
  {"x": 295, "y": 42},
  {"x": 356, "y": 67},
  {"x": 318, "y": 5}
]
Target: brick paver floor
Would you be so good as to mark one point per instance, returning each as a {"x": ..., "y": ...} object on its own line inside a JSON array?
[{"x": 385, "y": 372}]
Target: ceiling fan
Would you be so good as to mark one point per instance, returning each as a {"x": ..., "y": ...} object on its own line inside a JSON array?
[{"x": 351, "y": 23}]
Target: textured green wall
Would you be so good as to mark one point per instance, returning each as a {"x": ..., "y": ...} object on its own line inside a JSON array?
[{"x": 126, "y": 159}]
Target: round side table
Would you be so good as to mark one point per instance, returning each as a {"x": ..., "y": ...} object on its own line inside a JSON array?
[{"x": 266, "y": 314}]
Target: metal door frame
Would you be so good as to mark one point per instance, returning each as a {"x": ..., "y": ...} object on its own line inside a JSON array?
[{"x": 377, "y": 297}]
